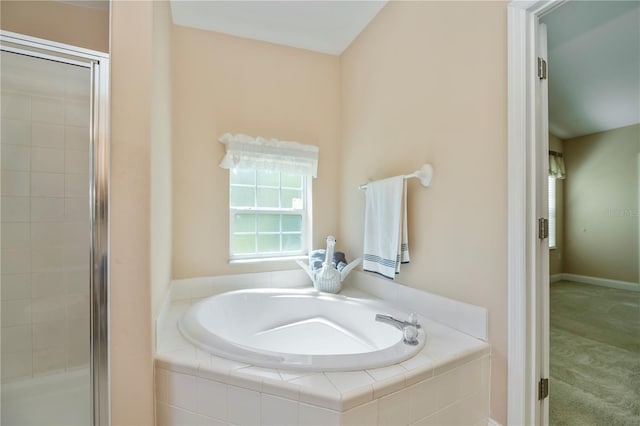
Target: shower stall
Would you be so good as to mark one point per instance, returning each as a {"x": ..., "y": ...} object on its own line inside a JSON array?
[{"x": 54, "y": 233}]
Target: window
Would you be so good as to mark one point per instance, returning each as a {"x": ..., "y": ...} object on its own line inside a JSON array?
[
  {"x": 268, "y": 211},
  {"x": 269, "y": 195},
  {"x": 552, "y": 212}
]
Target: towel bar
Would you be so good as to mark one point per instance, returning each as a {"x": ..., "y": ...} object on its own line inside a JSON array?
[{"x": 424, "y": 174}]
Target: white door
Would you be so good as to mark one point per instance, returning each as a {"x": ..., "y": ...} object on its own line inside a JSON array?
[{"x": 542, "y": 211}]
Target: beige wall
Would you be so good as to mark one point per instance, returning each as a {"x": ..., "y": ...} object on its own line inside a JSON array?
[
  {"x": 228, "y": 84},
  {"x": 131, "y": 85},
  {"x": 161, "y": 196},
  {"x": 131, "y": 72},
  {"x": 426, "y": 81},
  {"x": 51, "y": 20},
  {"x": 555, "y": 255},
  {"x": 601, "y": 199}
]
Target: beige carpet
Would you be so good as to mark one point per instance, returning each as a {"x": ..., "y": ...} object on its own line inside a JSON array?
[{"x": 595, "y": 356}]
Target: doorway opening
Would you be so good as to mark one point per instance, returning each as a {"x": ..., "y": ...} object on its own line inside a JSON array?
[{"x": 530, "y": 260}]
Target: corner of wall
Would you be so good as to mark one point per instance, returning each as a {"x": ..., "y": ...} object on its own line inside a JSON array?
[{"x": 130, "y": 281}]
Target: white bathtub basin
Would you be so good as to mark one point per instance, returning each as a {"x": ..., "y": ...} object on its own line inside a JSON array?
[{"x": 297, "y": 330}]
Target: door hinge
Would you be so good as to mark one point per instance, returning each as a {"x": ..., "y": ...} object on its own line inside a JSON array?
[
  {"x": 543, "y": 228},
  {"x": 542, "y": 69},
  {"x": 543, "y": 389}
]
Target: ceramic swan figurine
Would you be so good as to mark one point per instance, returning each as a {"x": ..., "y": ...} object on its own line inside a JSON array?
[{"x": 328, "y": 278}]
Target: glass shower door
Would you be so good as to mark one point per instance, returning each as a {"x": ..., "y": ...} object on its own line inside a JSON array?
[{"x": 45, "y": 151}]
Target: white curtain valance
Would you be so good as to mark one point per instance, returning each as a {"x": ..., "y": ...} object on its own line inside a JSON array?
[
  {"x": 556, "y": 165},
  {"x": 245, "y": 152}
]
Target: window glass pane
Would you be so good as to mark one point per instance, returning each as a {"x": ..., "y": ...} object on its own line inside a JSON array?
[
  {"x": 291, "y": 223},
  {"x": 260, "y": 233},
  {"x": 268, "y": 243},
  {"x": 242, "y": 177},
  {"x": 268, "y": 178},
  {"x": 269, "y": 223},
  {"x": 242, "y": 197},
  {"x": 291, "y": 198},
  {"x": 268, "y": 197},
  {"x": 244, "y": 244},
  {"x": 291, "y": 242},
  {"x": 291, "y": 181},
  {"x": 244, "y": 222}
]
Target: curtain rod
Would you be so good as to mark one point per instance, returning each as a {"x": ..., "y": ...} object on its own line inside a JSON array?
[{"x": 424, "y": 174}]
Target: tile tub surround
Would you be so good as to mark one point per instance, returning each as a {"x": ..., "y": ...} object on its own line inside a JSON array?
[{"x": 446, "y": 383}]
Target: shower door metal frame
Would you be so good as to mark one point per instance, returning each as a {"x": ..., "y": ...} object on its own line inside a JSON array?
[{"x": 98, "y": 64}]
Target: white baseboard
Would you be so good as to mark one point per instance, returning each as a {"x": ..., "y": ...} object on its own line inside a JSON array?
[
  {"x": 492, "y": 422},
  {"x": 555, "y": 278},
  {"x": 604, "y": 282}
]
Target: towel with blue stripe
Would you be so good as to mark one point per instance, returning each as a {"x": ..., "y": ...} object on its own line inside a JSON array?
[{"x": 386, "y": 244}]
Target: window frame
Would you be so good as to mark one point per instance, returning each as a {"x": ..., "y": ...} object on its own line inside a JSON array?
[
  {"x": 552, "y": 211},
  {"x": 304, "y": 212}
]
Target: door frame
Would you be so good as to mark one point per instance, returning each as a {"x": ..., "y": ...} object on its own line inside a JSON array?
[
  {"x": 526, "y": 191},
  {"x": 98, "y": 65}
]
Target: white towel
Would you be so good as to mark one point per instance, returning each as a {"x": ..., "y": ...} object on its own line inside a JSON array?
[{"x": 386, "y": 243}]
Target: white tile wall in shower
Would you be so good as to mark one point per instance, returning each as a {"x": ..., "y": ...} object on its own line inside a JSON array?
[
  {"x": 76, "y": 162},
  {"x": 16, "y": 105},
  {"x": 47, "y": 284},
  {"x": 44, "y": 218},
  {"x": 16, "y": 260},
  {"x": 47, "y": 210},
  {"x": 76, "y": 185},
  {"x": 49, "y": 160},
  {"x": 14, "y": 209},
  {"x": 75, "y": 138},
  {"x": 52, "y": 136},
  {"x": 16, "y": 312},
  {"x": 75, "y": 113},
  {"x": 16, "y": 364},
  {"x": 47, "y": 309},
  {"x": 75, "y": 209},
  {"x": 47, "y": 185},
  {"x": 47, "y": 110},
  {"x": 16, "y": 236},
  {"x": 15, "y": 183},
  {"x": 16, "y": 158},
  {"x": 16, "y": 338},
  {"x": 16, "y": 286},
  {"x": 77, "y": 338},
  {"x": 16, "y": 132},
  {"x": 50, "y": 359},
  {"x": 49, "y": 334}
]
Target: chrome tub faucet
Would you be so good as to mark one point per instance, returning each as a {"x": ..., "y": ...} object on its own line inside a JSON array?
[{"x": 409, "y": 328}]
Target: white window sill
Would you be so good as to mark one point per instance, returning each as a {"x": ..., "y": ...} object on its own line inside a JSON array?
[{"x": 267, "y": 259}]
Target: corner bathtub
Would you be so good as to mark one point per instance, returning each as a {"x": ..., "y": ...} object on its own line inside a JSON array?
[{"x": 297, "y": 329}]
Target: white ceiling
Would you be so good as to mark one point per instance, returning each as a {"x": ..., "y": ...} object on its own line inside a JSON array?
[
  {"x": 321, "y": 26},
  {"x": 594, "y": 47},
  {"x": 594, "y": 66}
]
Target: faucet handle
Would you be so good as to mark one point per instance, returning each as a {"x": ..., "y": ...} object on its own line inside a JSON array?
[
  {"x": 413, "y": 319},
  {"x": 410, "y": 335}
]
